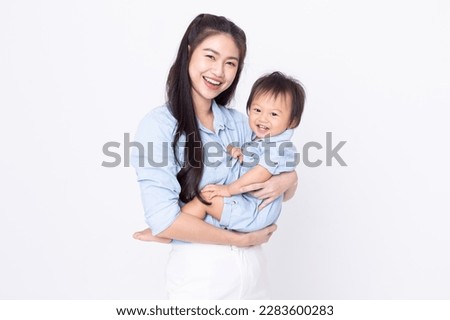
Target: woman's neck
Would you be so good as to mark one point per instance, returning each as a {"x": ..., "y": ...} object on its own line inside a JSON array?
[{"x": 204, "y": 114}]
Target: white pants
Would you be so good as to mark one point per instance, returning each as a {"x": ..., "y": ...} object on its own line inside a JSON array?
[{"x": 203, "y": 271}]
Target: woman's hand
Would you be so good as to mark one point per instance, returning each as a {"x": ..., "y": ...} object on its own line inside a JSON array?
[
  {"x": 285, "y": 183},
  {"x": 256, "y": 237}
]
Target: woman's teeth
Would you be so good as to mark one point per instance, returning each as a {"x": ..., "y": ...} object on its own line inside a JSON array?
[{"x": 213, "y": 82}]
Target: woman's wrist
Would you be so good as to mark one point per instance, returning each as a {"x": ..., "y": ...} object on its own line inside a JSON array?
[
  {"x": 241, "y": 239},
  {"x": 237, "y": 239},
  {"x": 247, "y": 239}
]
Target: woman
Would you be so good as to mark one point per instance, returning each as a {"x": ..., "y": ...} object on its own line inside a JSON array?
[{"x": 206, "y": 261}]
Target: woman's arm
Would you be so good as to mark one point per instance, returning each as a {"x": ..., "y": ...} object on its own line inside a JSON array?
[
  {"x": 284, "y": 183},
  {"x": 289, "y": 193},
  {"x": 191, "y": 229}
]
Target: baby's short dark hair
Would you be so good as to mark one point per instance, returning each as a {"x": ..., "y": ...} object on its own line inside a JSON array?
[{"x": 277, "y": 83}]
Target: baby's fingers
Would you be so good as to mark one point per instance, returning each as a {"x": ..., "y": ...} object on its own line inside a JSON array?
[
  {"x": 209, "y": 188},
  {"x": 208, "y": 194}
]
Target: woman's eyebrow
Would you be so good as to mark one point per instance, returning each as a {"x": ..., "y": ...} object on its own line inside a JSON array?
[{"x": 218, "y": 54}]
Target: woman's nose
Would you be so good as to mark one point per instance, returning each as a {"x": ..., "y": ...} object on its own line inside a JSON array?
[{"x": 218, "y": 69}]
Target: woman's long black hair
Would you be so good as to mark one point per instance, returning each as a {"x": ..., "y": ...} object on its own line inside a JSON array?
[{"x": 179, "y": 97}]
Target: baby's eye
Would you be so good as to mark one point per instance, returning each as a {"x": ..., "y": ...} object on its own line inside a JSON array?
[
  {"x": 256, "y": 109},
  {"x": 274, "y": 114}
]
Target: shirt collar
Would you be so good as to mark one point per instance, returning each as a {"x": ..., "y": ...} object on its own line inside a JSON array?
[
  {"x": 220, "y": 118},
  {"x": 285, "y": 135}
]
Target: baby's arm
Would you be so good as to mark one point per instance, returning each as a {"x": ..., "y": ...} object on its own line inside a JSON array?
[{"x": 257, "y": 174}]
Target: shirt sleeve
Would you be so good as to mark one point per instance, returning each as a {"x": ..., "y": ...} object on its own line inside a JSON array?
[
  {"x": 156, "y": 169},
  {"x": 278, "y": 157}
]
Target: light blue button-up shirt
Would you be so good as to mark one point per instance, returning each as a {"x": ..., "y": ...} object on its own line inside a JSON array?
[
  {"x": 156, "y": 167},
  {"x": 277, "y": 154}
]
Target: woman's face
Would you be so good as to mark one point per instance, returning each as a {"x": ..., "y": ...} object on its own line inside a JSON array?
[{"x": 213, "y": 67}]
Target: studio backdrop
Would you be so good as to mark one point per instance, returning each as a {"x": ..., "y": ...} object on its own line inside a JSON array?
[{"x": 370, "y": 218}]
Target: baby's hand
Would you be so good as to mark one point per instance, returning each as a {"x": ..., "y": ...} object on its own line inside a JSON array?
[
  {"x": 235, "y": 152},
  {"x": 214, "y": 190}
]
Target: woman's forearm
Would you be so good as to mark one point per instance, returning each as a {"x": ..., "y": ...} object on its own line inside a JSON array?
[
  {"x": 191, "y": 229},
  {"x": 290, "y": 192}
]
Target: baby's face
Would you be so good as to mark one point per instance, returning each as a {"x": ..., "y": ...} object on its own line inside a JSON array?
[{"x": 269, "y": 116}]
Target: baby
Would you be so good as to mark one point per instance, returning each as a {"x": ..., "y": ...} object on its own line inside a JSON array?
[{"x": 274, "y": 108}]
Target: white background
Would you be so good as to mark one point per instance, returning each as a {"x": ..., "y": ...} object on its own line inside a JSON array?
[{"x": 75, "y": 75}]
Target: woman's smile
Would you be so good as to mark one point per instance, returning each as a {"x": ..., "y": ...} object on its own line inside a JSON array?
[{"x": 211, "y": 83}]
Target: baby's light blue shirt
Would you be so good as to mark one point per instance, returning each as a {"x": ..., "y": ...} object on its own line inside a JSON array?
[{"x": 277, "y": 154}]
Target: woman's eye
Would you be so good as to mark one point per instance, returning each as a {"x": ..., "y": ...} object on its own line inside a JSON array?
[
  {"x": 210, "y": 57},
  {"x": 231, "y": 64}
]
